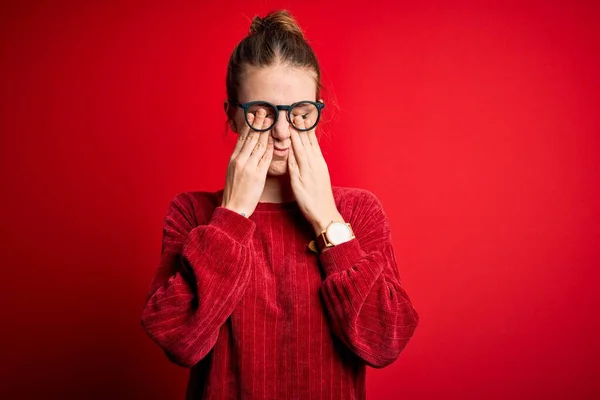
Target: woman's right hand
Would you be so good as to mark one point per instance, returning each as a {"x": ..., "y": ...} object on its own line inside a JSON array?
[{"x": 248, "y": 166}]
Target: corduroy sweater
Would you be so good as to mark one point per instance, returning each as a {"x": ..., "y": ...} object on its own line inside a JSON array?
[{"x": 256, "y": 314}]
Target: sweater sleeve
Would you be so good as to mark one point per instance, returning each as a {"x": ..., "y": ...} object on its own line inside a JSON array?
[
  {"x": 202, "y": 276},
  {"x": 367, "y": 307}
]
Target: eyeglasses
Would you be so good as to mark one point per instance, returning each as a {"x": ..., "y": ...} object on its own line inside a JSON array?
[{"x": 310, "y": 111}]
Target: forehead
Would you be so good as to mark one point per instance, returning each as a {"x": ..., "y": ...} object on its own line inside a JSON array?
[{"x": 278, "y": 84}]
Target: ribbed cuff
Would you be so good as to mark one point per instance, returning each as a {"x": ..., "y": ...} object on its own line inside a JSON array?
[
  {"x": 233, "y": 224},
  {"x": 341, "y": 257}
]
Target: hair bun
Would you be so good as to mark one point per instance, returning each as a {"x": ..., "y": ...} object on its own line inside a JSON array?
[{"x": 276, "y": 21}]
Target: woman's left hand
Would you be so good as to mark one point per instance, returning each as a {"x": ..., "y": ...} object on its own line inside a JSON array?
[{"x": 310, "y": 179}]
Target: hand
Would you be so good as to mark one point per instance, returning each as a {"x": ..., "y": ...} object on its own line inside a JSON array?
[
  {"x": 310, "y": 179},
  {"x": 248, "y": 166}
]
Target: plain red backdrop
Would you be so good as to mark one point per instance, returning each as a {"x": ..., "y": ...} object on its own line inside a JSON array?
[{"x": 476, "y": 125}]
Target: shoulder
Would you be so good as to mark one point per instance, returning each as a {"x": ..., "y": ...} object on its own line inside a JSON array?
[
  {"x": 195, "y": 206},
  {"x": 363, "y": 210},
  {"x": 357, "y": 199}
]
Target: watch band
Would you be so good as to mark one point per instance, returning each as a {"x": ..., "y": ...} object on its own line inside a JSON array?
[{"x": 322, "y": 241}]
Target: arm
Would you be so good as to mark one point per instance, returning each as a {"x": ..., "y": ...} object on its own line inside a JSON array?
[
  {"x": 202, "y": 275},
  {"x": 368, "y": 308}
]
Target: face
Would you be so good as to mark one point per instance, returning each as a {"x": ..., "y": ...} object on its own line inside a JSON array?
[{"x": 277, "y": 84}]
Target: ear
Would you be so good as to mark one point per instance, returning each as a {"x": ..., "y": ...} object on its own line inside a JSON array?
[{"x": 320, "y": 100}]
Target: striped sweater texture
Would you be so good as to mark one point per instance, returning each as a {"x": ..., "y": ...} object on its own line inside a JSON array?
[{"x": 255, "y": 314}]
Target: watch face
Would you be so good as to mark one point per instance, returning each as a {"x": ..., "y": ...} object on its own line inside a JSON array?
[{"x": 338, "y": 233}]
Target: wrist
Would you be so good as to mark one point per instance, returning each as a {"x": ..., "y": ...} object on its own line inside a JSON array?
[
  {"x": 236, "y": 210},
  {"x": 320, "y": 224}
]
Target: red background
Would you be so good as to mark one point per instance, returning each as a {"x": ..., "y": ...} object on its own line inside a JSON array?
[{"x": 476, "y": 125}]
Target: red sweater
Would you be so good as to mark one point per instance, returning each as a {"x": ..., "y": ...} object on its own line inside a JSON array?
[{"x": 257, "y": 315}]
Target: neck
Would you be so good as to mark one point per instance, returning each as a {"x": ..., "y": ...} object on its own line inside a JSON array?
[{"x": 278, "y": 189}]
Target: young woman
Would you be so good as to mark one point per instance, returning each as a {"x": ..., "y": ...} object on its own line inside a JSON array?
[{"x": 279, "y": 286}]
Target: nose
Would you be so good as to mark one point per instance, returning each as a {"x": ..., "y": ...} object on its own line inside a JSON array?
[{"x": 281, "y": 129}]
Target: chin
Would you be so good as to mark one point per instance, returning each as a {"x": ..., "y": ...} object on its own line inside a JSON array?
[{"x": 277, "y": 168}]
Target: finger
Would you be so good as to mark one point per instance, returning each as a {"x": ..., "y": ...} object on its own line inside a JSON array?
[
  {"x": 242, "y": 135},
  {"x": 312, "y": 136},
  {"x": 267, "y": 157},
  {"x": 261, "y": 144},
  {"x": 268, "y": 121},
  {"x": 259, "y": 117},
  {"x": 293, "y": 168},
  {"x": 309, "y": 121},
  {"x": 251, "y": 140},
  {"x": 298, "y": 148},
  {"x": 308, "y": 148},
  {"x": 299, "y": 122}
]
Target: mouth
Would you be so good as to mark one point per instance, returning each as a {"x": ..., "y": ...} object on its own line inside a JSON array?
[{"x": 280, "y": 152}]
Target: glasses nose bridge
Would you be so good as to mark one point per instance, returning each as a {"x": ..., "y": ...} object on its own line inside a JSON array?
[
  {"x": 281, "y": 125},
  {"x": 284, "y": 108}
]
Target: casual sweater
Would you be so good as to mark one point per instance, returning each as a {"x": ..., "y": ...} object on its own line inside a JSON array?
[{"x": 256, "y": 314}]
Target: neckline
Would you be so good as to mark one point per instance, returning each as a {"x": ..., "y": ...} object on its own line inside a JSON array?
[{"x": 266, "y": 206}]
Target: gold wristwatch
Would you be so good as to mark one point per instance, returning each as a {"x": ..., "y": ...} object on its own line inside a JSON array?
[{"x": 335, "y": 233}]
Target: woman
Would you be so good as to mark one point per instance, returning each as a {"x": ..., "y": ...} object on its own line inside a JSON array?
[{"x": 279, "y": 286}]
